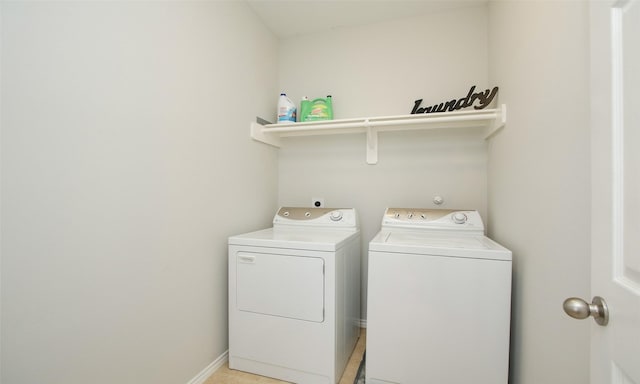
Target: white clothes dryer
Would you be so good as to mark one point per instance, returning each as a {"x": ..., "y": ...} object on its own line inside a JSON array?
[
  {"x": 439, "y": 295},
  {"x": 294, "y": 296}
]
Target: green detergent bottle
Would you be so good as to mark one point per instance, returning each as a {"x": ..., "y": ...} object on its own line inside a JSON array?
[{"x": 316, "y": 109}]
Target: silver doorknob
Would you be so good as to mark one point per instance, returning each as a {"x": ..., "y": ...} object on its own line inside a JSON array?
[{"x": 580, "y": 309}]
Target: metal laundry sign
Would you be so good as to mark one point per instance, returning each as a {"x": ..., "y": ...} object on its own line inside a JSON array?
[{"x": 480, "y": 99}]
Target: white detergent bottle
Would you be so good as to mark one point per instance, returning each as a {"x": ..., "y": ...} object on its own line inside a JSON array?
[{"x": 286, "y": 110}]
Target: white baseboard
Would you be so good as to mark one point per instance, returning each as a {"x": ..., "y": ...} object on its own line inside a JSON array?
[{"x": 210, "y": 369}]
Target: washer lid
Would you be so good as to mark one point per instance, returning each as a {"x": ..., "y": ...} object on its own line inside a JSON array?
[
  {"x": 316, "y": 239},
  {"x": 434, "y": 244}
]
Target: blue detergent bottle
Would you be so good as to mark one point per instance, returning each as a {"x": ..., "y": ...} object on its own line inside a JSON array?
[{"x": 286, "y": 110}]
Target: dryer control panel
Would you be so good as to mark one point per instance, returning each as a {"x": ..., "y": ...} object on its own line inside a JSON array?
[
  {"x": 321, "y": 217},
  {"x": 436, "y": 219}
]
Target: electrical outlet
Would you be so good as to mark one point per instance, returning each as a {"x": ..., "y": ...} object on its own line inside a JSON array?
[{"x": 317, "y": 202}]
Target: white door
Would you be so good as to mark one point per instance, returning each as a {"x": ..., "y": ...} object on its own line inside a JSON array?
[
  {"x": 615, "y": 246},
  {"x": 280, "y": 285}
]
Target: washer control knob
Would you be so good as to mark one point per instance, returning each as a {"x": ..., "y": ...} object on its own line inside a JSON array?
[
  {"x": 459, "y": 218},
  {"x": 285, "y": 214},
  {"x": 335, "y": 215},
  {"x": 410, "y": 215},
  {"x": 307, "y": 214}
]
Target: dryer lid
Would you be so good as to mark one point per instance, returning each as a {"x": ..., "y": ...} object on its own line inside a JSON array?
[{"x": 297, "y": 238}]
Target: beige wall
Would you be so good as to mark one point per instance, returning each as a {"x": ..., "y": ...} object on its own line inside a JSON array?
[
  {"x": 380, "y": 70},
  {"x": 533, "y": 191},
  {"x": 126, "y": 163},
  {"x": 539, "y": 186}
]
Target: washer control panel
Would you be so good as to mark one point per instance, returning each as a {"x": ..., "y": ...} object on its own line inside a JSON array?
[
  {"x": 437, "y": 219},
  {"x": 324, "y": 217}
]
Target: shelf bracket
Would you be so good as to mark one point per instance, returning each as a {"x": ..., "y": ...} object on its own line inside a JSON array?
[
  {"x": 258, "y": 133},
  {"x": 372, "y": 143},
  {"x": 498, "y": 123}
]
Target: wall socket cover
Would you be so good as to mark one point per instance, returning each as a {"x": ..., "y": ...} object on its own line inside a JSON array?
[{"x": 317, "y": 202}]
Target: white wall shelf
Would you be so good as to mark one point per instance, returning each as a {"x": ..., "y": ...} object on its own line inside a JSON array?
[{"x": 490, "y": 120}]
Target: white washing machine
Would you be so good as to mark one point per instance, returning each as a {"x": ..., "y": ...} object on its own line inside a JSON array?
[
  {"x": 294, "y": 296},
  {"x": 439, "y": 299}
]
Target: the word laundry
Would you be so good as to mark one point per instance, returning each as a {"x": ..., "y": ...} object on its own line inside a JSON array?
[{"x": 483, "y": 99}]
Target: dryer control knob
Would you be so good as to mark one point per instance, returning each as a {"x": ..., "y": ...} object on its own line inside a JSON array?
[
  {"x": 335, "y": 215},
  {"x": 459, "y": 218}
]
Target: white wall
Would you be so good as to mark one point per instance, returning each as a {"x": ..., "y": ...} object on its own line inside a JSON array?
[
  {"x": 126, "y": 163},
  {"x": 379, "y": 70},
  {"x": 539, "y": 187}
]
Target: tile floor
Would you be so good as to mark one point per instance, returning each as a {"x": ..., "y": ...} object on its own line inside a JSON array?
[{"x": 224, "y": 375}]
